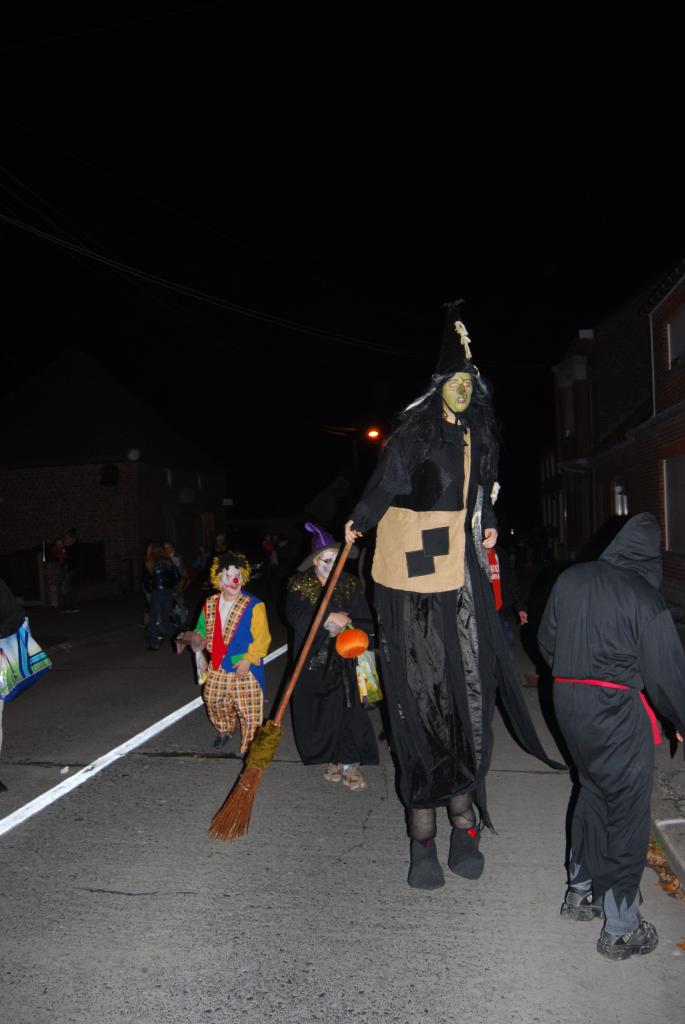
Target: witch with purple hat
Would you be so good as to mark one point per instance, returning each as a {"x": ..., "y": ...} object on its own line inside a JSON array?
[{"x": 331, "y": 726}]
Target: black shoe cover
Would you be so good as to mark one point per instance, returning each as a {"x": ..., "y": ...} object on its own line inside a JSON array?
[
  {"x": 465, "y": 858},
  {"x": 425, "y": 871},
  {"x": 636, "y": 943}
]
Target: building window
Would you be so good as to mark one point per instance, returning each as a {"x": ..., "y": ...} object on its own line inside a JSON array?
[
  {"x": 199, "y": 481},
  {"x": 676, "y": 339},
  {"x": 620, "y": 499},
  {"x": 674, "y": 491},
  {"x": 168, "y": 477}
]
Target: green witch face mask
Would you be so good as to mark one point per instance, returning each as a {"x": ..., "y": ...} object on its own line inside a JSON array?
[{"x": 457, "y": 391}]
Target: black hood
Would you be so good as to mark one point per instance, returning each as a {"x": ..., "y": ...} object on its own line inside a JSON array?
[{"x": 638, "y": 547}]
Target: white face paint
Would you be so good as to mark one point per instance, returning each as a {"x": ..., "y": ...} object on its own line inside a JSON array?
[
  {"x": 324, "y": 562},
  {"x": 231, "y": 581}
]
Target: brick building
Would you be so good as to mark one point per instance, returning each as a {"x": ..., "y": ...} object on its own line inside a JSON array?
[
  {"x": 567, "y": 483},
  {"x": 661, "y": 440},
  {"x": 620, "y": 400},
  {"x": 80, "y": 450},
  {"x": 552, "y": 501}
]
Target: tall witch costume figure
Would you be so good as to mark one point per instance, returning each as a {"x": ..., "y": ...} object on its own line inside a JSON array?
[
  {"x": 443, "y": 656},
  {"x": 331, "y": 726}
]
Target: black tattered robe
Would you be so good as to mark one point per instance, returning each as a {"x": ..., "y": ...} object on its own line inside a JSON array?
[
  {"x": 329, "y": 722},
  {"x": 443, "y": 655}
]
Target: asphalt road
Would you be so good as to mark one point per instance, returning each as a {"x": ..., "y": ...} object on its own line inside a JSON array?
[{"x": 117, "y": 907}]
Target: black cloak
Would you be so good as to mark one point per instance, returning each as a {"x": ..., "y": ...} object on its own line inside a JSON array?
[
  {"x": 617, "y": 625},
  {"x": 443, "y": 654},
  {"x": 329, "y": 722}
]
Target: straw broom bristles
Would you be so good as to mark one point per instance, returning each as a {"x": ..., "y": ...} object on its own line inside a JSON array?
[{"x": 232, "y": 820}]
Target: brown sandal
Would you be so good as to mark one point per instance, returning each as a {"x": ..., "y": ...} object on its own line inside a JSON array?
[
  {"x": 333, "y": 773},
  {"x": 353, "y": 778}
]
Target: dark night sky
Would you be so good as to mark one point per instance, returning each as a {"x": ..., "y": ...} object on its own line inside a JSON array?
[{"x": 345, "y": 176}]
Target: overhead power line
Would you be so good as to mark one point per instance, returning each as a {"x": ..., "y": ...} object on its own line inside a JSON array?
[
  {"x": 142, "y": 286},
  {"x": 205, "y": 297},
  {"x": 114, "y": 26}
]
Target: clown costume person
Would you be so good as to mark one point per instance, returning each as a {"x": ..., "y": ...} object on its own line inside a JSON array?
[
  {"x": 235, "y": 631},
  {"x": 443, "y": 656}
]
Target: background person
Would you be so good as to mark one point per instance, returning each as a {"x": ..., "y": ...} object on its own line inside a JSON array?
[
  {"x": 22, "y": 660},
  {"x": 331, "y": 726},
  {"x": 608, "y": 635},
  {"x": 160, "y": 579},
  {"x": 71, "y": 566},
  {"x": 11, "y": 617},
  {"x": 179, "y": 609},
  {"x": 507, "y": 593}
]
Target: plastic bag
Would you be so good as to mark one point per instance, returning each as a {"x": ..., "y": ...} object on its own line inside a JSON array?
[
  {"x": 367, "y": 680},
  {"x": 22, "y": 661}
]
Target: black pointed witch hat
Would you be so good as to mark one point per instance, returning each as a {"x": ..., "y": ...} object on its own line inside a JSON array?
[{"x": 455, "y": 350}]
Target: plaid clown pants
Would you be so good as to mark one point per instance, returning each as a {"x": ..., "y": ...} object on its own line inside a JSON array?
[{"x": 230, "y": 699}]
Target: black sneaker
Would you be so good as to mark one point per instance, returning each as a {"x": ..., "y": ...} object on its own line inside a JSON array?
[
  {"x": 580, "y": 906},
  {"x": 643, "y": 939},
  {"x": 3, "y": 787}
]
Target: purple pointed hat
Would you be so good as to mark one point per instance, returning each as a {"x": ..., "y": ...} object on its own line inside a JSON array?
[{"x": 321, "y": 541}]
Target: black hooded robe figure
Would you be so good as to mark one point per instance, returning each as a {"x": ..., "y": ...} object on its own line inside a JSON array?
[
  {"x": 608, "y": 635},
  {"x": 443, "y": 655}
]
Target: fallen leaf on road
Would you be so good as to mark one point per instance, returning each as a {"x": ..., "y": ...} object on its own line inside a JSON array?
[{"x": 669, "y": 882}]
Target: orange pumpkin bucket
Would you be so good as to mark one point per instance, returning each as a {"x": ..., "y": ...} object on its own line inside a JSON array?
[{"x": 351, "y": 642}]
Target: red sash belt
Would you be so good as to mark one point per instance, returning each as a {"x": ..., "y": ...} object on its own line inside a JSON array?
[{"x": 618, "y": 686}]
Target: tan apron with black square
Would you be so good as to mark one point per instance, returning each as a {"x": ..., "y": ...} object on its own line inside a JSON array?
[{"x": 423, "y": 552}]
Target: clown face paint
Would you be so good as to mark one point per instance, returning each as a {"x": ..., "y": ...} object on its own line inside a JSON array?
[
  {"x": 457, "y": 391},
  {"x": 324, "y": 562},
  {"x": 231, "y": 581}
]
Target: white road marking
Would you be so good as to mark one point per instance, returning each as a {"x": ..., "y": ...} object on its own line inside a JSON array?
[
  {"x": 49, "y": 797},
  {"x": 670, "y": 821}
]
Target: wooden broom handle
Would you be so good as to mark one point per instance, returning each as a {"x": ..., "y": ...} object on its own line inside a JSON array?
[{"x": 309, "y": 639}]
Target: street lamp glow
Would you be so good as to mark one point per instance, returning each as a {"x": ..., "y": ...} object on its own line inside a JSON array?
[{"x": 373, "y": 433}]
